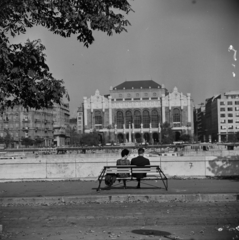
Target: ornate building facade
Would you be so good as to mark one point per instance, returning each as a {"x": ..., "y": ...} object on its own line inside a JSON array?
[{"x": 134, "y": 111}]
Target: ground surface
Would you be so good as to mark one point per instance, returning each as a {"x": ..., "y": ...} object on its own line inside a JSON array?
[{"x": 173, "y": 220}]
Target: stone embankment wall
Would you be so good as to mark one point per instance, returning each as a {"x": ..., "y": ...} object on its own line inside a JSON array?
[{"x": 89, "y": 166}]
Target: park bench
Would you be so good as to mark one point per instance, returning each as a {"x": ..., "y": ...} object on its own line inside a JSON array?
[{"x": 153, "y": 173}]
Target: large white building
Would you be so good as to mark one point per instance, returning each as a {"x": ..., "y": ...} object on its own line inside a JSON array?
[{"x": 134, "y": 111}]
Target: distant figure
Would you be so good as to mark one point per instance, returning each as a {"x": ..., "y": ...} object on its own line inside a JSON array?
[
  {"x": 140, "y": 161},
  {"x": 123, "y": 161}
]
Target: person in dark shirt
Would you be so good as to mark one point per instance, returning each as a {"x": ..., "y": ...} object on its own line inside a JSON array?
[
  {"x": 140, "y": 161},
  {"x": 124, "y": 161}
]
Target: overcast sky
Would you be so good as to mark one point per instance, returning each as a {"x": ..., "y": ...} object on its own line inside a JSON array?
[{"x": 181, "y": 43}]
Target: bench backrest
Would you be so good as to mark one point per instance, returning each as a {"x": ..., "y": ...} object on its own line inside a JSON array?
[{"x": 131, "y": 169}]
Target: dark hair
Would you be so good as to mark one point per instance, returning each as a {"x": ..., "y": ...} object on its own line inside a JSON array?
[
  {"x": 140, "y": 151},
  {"x": 125, "y": 152}
]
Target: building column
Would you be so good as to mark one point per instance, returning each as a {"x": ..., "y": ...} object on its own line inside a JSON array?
[
  {"x": 133, "y": 138},
  {"x": 160, "y": 134},
  {"x": 124, "y": 133},
  {"x": 110, "y": 109},
  {"x": 189, "y": 107},
  {"x": 150, "y": 134},
  {"x": 219, "y": 138},
  {"x": 116, "y": 138},
  {"x": 141, "y": 131},
  {"x": 130, "y": 139},
  {"x": 163, "y": 108},
  {"x": 91, "y": 110},
  {"x": 181, "y": 109}
]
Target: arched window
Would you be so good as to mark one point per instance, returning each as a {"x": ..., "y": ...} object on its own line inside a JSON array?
[
  {"x": 146, "y": 119},
  {"x": 120, "y": 120},
  {"x": 137, "y": 119},
  {"x": 155, "y": 119},
  {"x": 98, "y": 117},
  {"x": 128, "y": 119},
  {"x": 176, "y": 115}
]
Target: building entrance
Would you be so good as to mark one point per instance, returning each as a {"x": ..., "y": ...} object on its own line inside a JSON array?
[
  {"x": 100, "y": 138},
  {"x": 146, "y": 137},
  {"x": 177, "y": 136},
  {"x": 155, "y": 137},
  {"x": 120, "y": 138},
  {"x": 138, "y": 137}
]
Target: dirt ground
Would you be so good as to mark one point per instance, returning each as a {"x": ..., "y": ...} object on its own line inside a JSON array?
[{"x": 173, "y": 220}]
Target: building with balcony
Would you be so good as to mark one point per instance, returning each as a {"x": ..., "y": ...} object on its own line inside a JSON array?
[
  {"x": 80, "y": 120},
  {"x": 33, "y": 124},
  {"x": 61, "y": 124},
  {"x": 134, "y": 111},
  {"x": 199, "y": 122}
]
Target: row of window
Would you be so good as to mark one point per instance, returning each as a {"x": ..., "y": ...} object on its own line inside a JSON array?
[
  {"x": 16, "y": 134},
  {"x": 145, "y": 119},
  {"x": 229, "y": 109},
  {"x": 229, "y": 115},
  {"x": 229, "y": 121},
  {"x": 229, "y": 103},
  {"x": 129, "y": 95},
  {"x": 229, "y": 127},
  {"x": 137, "y": 118}
]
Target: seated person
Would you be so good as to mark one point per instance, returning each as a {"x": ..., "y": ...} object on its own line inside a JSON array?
[
  {"x": 140, "y": 161},
  {"x": 123, "y": 161}
]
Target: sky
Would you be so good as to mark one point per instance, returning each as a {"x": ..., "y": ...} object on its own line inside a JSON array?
[{"x": 182, "y": 43}]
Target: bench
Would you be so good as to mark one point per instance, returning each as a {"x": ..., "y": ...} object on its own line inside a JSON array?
[{"x": 153, "y": 173}]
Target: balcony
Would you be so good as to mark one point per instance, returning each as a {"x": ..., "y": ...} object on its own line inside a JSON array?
[
  {"x": 25, "y": 120},
  {"x": 25, "y": 128},
  {"x": 176, "y": 124}
]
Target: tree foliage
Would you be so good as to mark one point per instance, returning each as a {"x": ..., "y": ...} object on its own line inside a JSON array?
[
  {"x": 25, "y": 77},
  {"x": 167, "y": 133},
  {"x": 90, "y": 139},
  {"x": 7, "y": 139},
  {"x": 75, "y": 138},
  {"x": 186, "y": 137},
  {"x": 27, "y": 141}
]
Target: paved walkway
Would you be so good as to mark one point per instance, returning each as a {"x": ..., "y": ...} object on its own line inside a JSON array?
[{"x": 187, "y": 190}]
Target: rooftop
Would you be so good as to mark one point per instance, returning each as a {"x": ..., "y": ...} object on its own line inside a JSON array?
[{"x": 139, "y": 84}]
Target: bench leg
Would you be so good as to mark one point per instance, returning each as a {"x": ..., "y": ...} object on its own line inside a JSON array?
[
  {"x": 99, "y": 185},
  {"x": 163, "y": 178},
  {"x": 100, "y": 178}
]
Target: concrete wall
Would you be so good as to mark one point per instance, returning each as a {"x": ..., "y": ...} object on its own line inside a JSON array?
[{"x": 89, "y": 166}]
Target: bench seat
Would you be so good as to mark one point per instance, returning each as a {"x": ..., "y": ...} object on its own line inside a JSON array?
[{"x": 153, "y": 173}]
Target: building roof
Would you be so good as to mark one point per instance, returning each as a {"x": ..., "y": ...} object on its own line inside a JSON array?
[
  {"x": 144, "y": 84},
  {"x": 232, "y": 93}
]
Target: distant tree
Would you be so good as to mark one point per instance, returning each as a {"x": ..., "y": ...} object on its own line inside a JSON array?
[
  {"x": 25, "y": 77},
  {"x": 8, "y": 139},
  {"x": 38, "y": 141},
  {"x": 75, "y": 138},
  {"x": 27, "y": 141},
  {"x": 185, "y": 137},
  {"x": 90, "y": 139},
  {"x": 167, "y": 133}
]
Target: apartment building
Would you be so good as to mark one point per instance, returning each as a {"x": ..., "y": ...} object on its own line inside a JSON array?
[
  {"x": 51, "y": 125},
  {"x": 219, "y": 117}
]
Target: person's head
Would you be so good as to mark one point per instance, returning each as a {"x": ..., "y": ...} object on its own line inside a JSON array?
[
  {"x": 125, "y": 153},
  {"x": 141, "y": 151}
]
